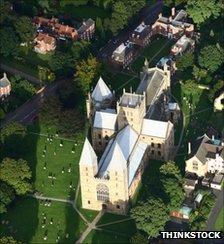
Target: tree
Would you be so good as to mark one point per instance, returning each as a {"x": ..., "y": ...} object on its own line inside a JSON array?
[
  {"x": 119, "y": 17},
  {"x": 16, "y": 174},
  {"x": 172, "y": 183},
  {"x": 23, "y": 89},
  {"x": 13, "y": 129},
  {"x": 4, "y": 10},
  {"x": 61, "y": 63},
  {"x": 202, "y": 10},
  {"x": 171, "y": 3},
  {"x": 25, "y": 29},
  {"x": 9, "y": 43},
  {"x": 9, "y": 240},
  {"x": 7, "y": 194},
  {"x": 86, "y": 71},
  {"x": 170, "y": 169},
  {"x": 45, "y": 74},
  {"x": 174, "y": 190},
  {"x": 50, "y": 111},
  {"x": 80, "y": 49},
  {"x": 190, "y": 88},
  {"x": 71, "y": 122},
  {"x": 199, "y": 73},
  {"x": 150, "y": 216},
  {"x": 185, "y": 61},
  {"x": 215, "y": 59},
  {"x": 215, "y": 90}
]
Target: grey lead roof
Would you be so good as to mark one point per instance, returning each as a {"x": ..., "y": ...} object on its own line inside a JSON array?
[
  {"x": 131, "y": 100},
  {"x": 151, "y": 84}
]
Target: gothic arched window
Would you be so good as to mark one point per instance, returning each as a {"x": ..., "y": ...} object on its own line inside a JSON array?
[{"x": 102, "y": 192}]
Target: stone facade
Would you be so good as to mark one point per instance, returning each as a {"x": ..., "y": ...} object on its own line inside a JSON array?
[{"x": 126, "y": 138}]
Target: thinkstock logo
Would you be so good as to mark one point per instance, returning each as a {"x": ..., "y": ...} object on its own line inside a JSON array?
[{"x": 191, "y": 235}]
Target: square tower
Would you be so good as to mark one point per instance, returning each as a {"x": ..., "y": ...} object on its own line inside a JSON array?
[{"x": 131, "y": 110}]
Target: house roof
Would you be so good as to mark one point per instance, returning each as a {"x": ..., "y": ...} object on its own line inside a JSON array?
[
  {"x": 105, "y": 120},
  {"x": 205, "y": 147},
  {"x": 101, "y": 91},
  {"x": 86, "y": 25},
  {"x": 88, "y": 156},
  {"x": 4, "y": 81},
  {"x": 45, "y": 38},
  {"x": 156, "y": 128}
]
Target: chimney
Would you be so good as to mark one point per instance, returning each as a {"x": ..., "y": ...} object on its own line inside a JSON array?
[
  {"x": 123, "y": 90},
  {"x": 189, "y": 148},
  {"x": 160, "y": 15},
  {"x": 213, "y": 137},
  {"x": 173, "y": 12},
  {"x": 4, "y": 75},
  {"x": 131, "y": 89}
]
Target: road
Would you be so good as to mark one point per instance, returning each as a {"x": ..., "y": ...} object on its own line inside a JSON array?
[
  {"x": 29, "y": 110},
  {"x": 148, "y": 14},
  {"x": 215, "y": 211}
]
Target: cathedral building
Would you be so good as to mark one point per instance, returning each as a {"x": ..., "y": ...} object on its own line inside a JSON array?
[{"x": 125, "y": 135}]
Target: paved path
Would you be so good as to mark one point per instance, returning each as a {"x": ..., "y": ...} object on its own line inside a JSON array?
[
  {"x": 91, "y": 226},
  {"x": 210, "y": 224},
  {"x": 14, "y": 71},
  {"x": 115, "y": 222}
]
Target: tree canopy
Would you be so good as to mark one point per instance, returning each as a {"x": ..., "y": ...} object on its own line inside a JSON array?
[
  {"x": 185, "y": 61},
  {"x": 202, "y": 10},
  {"x": 25, "y": 29},
  {"x": 215, "y": 59},
  {"x": 150, "y": 216},
  {"x": 50, "y": 111},
  {"x": 7, "y": 194},
  {"x": 16, "y": 174},
  {"x": 9, "y": 43},
  {"x": 13, "y": 129},
  {"x": 86, "y": 72}
]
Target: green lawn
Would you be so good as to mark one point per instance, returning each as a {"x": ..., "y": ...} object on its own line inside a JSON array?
[
  {"x": 26, "y": 218},
  {"x": 127, "y": 227},
  {"x": 99, "y": 237},
  {"x": 57, "y": 159},
  {"x": 88, "y": 214},
  {"x": 109, "y": 217},
  {"x": 219, "y": 224},
  {"x": 157, "y": 49}
]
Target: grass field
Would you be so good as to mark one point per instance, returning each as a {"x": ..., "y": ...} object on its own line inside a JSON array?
[
  {"x": 88, "y": 214},
  {"x": 99, "y": 237},
  {"x": 219, "y": 224},
  {"x": 58, "y": 161},
  {"x": 26, "y": 222},
  {"x": 109, "y": 217}
]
